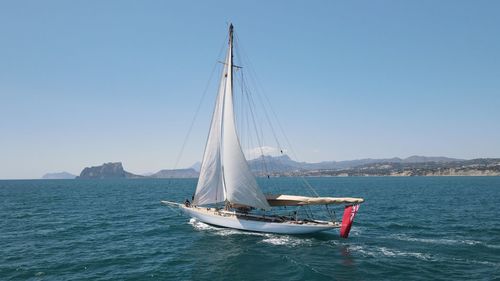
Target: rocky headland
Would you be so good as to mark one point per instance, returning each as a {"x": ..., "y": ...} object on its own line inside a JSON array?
[{"x": 106, "y": 171}]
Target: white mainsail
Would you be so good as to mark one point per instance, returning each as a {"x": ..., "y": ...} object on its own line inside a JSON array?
[{"x": 225, "y": 174}]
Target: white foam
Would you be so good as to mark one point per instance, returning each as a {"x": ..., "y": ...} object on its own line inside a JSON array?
[
  {"x": 276, "y": 241},
  {"x": 477, "y": 262},
  {"x": 376, "y": 252},
  {"x": 359, "y": 249},
  {"x": 396, "y": 253},
  {"x": 386, "y": 252},
  {"x": 231, "y": 231},
  {"x": 285, "y": 240},
  {"x": 441, "y": 241},
  {"x": 198, "y": 225},
  {"x": 492, "y": 246},
  {"x": 484, "y": 263}
]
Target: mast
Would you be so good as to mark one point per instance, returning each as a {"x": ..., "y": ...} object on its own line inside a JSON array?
[{"x": 231, "y": 52}]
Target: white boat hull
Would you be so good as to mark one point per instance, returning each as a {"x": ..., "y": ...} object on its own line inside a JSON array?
[{"x": 226, "y": 219}]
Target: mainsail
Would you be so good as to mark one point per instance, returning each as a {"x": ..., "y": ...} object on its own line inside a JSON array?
[{"x": 225, "y": 174}]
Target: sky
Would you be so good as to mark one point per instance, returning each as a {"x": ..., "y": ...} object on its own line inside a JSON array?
[{"x": 88, "y": 82}]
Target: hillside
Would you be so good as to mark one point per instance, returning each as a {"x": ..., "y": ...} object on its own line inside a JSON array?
[
  {"x": 284, "y": 164},
  {"x": 58, "y": 176},
  {"x": 474, "y": 167},
  {"x": 176, "y": 173}
]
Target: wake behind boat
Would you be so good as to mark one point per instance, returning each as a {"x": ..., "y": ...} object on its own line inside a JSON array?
[{"x": 225, "y": 178}]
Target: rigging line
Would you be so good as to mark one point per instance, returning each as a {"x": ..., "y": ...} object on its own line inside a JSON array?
[
  {"x": 268, "y": 119},
  {"x": 242, "y": 116},
  {"x": 330, "y": 213},
  {"x": 250, "y": 106},
  {"x": 250, "y": 102},
  {"x": 246, "y": 124},
  {"x": 249, "y": 136},
  {"x": 269, "y": 122},
  {"x": 260, "y": 142},
  {"x": 306, "y": 183},
  {"x": 240, "y": 102},
  {"x": 245, "y": 94},
  {"x": 198, "y": 107},
  {"x": 264, "y": 163},
  {"x": 260, "y": 99},
  {"x": 243, "y": 113},
  {"x": 254, "y": 77},
  {"x": 195, "y": 117},
  {"x": 260, "y": 89}
]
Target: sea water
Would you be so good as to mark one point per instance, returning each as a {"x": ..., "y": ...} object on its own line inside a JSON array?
[{"x": 409, "y": 228}]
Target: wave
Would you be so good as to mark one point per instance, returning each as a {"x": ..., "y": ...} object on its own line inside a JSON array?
[
  {"x": 401, "y": 225},
  {"x": 442, "y": 241},
  {"x": 489, "y": 263},
  {"x": 285, "y": 240},
  {"x": 377, "y": 252},
  {"x": 387, "y": 252},
  {"x": 396, "y": 253}
]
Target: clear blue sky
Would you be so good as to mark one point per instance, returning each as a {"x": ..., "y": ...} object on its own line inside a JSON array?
[{"x": 87, "y": 82}]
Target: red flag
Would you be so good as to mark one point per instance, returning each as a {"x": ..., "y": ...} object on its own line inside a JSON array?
[{"x": 349, "y": 214}]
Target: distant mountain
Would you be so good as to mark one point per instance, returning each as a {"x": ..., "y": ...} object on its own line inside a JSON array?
[
  {"x": 176, "y": 173},
  {"x": 106, "y": 171},
  {"x": 285, "y": 166},
  {"x": 57, "y": 176},
  {"x": 275, "y": 164},
  {"x": 336, "y": 165},
  {"x": 473, "y": 167},
  {"x": 281, "y": 164},
  {"x": 196, "y": 166},
  {"x": 423, "y": 159}
]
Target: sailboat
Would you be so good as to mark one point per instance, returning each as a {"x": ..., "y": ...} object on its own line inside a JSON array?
[{"x": 227, "y": 193}]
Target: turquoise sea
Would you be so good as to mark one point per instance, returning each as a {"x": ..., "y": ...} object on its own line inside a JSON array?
[{"x": 410, "y": 228}]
